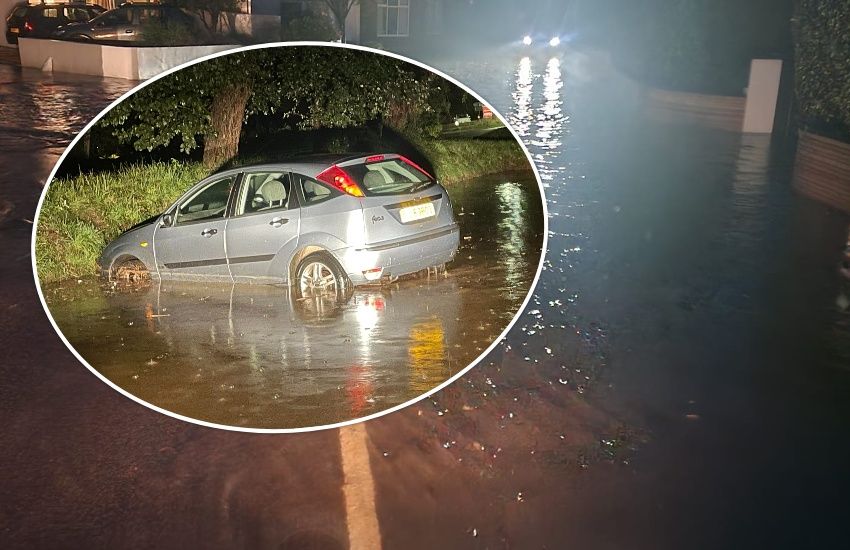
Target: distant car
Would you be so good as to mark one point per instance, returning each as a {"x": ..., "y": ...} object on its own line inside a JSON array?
[
  {"x": 319, "y": 224},
  {"x": 127, "y": 23},
  {"x": 40, "y": 21}
]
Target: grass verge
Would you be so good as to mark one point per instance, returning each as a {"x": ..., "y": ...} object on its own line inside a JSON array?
[
  {"x": 462, "y": 159},
  {"x": 80, "y": 215}
]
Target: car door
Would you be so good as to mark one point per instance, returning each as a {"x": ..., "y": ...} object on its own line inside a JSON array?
[
  {"x": 262, "y": 234},
  {"x": 189, "y": 240}
]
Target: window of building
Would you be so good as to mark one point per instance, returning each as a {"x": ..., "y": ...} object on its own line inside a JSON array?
[{"x": 393, "y": 17}]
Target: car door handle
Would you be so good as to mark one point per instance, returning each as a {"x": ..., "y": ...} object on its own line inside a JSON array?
[
  {"x": 209, "y": 232},
  {"x": 128, "y": 31},
  {"x": 277, "y": 222}
]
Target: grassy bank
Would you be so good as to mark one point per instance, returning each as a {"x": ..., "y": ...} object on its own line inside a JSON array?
[
  {"x": 462, "y": 159},
  {"x": 81, "y": 214}
]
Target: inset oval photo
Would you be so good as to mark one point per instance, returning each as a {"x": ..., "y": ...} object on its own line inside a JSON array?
[{"x": 290, "y": 237}]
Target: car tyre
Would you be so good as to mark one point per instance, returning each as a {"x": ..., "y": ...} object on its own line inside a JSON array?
[{"x": 319, "y": 274}]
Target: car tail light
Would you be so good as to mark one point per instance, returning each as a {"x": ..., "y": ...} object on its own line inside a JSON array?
[
  {"x": 340, "y": 179},
  {"x": 411, "y": 163},
  {"x": 28, "y": 26},
  {"x": 375, "y": 158}
]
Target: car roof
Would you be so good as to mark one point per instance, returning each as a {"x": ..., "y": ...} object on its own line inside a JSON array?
[
  {"x": 61, "y": 5},
  {"x": 309, "y": 165}
]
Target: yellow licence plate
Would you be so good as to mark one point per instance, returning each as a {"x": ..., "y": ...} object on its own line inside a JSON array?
[
  {"x": 14, "y": 30},
  {"x": 417, "y": 212}
]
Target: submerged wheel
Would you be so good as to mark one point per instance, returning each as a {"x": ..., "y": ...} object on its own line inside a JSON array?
[
  {"x": 319, "y": 274},
  {"x": 131, "y": 271}
]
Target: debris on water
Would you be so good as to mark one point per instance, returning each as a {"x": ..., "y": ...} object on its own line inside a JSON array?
[{"x": 519, "y": 497}]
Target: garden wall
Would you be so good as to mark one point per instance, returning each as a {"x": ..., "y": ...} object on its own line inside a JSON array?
[{"x": 127, "y": 62}]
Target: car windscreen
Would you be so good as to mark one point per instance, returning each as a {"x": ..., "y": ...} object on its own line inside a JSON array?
[{"x": 388, "y": 177}]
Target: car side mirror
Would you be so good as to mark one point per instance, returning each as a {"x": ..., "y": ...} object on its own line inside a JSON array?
[{"x": 166, "y": 220}]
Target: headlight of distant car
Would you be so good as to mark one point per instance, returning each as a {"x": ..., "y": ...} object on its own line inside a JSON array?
[{"x": 527, "y": 40}]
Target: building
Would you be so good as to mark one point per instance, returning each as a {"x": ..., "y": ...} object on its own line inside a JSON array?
[{"x": 397, "y": 25}]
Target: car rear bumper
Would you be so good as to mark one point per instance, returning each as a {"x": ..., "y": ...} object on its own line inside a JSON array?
[{"x": 401, "y": 256}]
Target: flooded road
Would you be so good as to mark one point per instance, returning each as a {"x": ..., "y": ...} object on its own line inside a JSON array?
[
  {"x": 689, "y": 295},
  {"x": 255, "y": 356},
  {"x": 710, "y": 297}
]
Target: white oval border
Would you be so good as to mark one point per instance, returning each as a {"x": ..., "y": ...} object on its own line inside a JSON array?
[{"x": 434, "y": 390}]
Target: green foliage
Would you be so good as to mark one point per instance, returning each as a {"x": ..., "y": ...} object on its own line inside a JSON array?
[
  {"x": 80, "y": 215},
  {"x": 822, "y": 52},
  {"x": 172, "y": 33},
  {"x": 310, "y": 86},
  {"x": 309, "y": 27}
]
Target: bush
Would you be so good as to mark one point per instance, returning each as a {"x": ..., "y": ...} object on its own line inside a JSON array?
[
  {"x": 171, "y": 33},
  {"x": 309, "y": 27},
  {"x": 822, "y": 55}
]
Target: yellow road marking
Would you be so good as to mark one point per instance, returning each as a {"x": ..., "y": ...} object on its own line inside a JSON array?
[{"x": 359, "y": 489}]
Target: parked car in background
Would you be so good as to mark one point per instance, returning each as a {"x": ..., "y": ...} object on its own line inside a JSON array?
[
  {"x": 40, "y": 21},
  {"x": 319, "y": 224},
  {"x": 128, "y": 22}
]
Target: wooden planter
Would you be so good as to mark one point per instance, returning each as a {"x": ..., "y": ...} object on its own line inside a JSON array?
[
  {"x": 713, "y": 111},
  {"x": 822, "y": 170}
]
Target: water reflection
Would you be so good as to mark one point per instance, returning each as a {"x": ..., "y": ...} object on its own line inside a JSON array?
[
  {"x": 549, "y": 117},
  {"x": 255, "y": 355},
  {"x": 521, "y": 116},
  {"x": 512, "y": 227}
]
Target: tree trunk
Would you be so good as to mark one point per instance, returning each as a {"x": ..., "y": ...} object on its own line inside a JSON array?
[{"x": 227, "y": 114}]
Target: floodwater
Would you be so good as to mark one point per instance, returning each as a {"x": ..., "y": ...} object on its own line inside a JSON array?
[
  {"x": 710, "y": 295},
  {"x": 688, "y": 294},
  {"x": 254, "y": 356}
]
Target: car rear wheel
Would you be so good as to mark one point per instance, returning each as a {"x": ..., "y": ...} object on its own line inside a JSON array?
[{"x": 319, "y": 274}]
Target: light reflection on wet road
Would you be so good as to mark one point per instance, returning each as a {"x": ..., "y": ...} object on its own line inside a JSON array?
[{"x": 253, "y": 356}]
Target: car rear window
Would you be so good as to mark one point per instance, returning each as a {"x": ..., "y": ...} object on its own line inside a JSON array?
[
  {"x": 19, "y": 12},
  {"x": 388, "y": 177}
]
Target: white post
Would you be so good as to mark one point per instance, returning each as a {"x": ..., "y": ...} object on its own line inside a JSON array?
[
  {"x": 352, "y": 25},
  {"x": 762, "y": 93}
]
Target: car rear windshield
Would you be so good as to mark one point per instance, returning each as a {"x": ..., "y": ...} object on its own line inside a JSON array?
[{"x": 388, "y": 177}]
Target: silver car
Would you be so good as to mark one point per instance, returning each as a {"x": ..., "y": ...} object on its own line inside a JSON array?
[{"x": 322, "y": 223}]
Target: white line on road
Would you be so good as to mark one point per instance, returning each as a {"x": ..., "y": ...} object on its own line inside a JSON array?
[{"x": 359, "y": 489}]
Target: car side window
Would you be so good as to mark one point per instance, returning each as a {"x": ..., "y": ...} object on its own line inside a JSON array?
[
  {"x": 50, "y": 13},
  {"x": 117, "y": 17},
  {"x": 314, "y": 192},
  {"x": 264, "y": 192},
  {"x": 76, "y": 14},
  {"x": 208, "y": 203}
]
